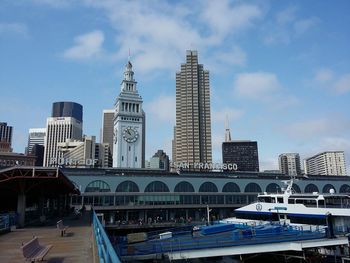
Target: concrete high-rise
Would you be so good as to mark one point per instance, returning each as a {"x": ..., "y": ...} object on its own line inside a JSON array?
[
  {"x": 289, "y": 163},
  {"x": 326, "y": 163},
  {"x": 60, "y": 127},
  {"x": 36, "y": 136},
  {"x": 192, "y": 138},
  {"x": 107, "y": 132}
]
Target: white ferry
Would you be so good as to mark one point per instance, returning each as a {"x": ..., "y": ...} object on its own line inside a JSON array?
[{"x": 295, "y": 208}]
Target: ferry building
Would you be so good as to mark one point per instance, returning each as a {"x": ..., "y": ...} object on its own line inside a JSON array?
[{"x": 131, "y": 196}]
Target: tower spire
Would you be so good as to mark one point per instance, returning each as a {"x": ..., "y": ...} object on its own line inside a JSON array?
[{"x": 227, "y": 130}]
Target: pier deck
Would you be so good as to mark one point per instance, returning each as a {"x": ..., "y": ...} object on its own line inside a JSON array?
[{"x": 76, "y": 246}]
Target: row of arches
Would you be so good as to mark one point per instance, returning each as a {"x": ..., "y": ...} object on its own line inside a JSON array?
[{"x": 158, "y": 186}]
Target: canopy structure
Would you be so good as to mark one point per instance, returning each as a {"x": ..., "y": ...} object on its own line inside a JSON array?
[{"x": 40, "y": 184}]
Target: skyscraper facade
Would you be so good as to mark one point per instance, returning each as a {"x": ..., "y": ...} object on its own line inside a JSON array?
[
  {"x": 326, "y": 163},
  {"x": 107, "y": 132},
  {"x": 5, "y": 133},
  {"x": 289, "y": 163},
  {"x": 192, "y": 138},
  {"x": 61, "y": 128},
  {"x": 67, "y": 109},
  {"x": 36, "y": 136},
  {"x": 242, "y": 153},
  {"x": 129, "y": 125}
]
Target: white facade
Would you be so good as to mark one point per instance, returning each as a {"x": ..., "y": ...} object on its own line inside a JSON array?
[
  {"x": 58, "y": 130},
  {"x": 36, "y": 136},
  {"x": 289, "y": 163},
  {"x": 326, "y": 163},
  {"x": 129, "y": 125}
]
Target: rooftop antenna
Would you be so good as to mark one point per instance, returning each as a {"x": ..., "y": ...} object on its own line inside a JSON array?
[{"x": 227, "y": 130}]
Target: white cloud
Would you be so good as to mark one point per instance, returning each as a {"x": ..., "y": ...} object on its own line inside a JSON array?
[
  {"x": 303, "y": 25},
  {"x": 317, "y": 128},
  {"x": 13, "y": 28},
  {"x": 342, "y": 85},
  {"x": 230, "y": 113},
  {"x": 86, "y": 46},
  {"x": 323, "y": 75},
  {"x": 162, "y": 109},
  {"x": 222, "y": 61},
  {"x": 223, "y": 18},
  {"x": 256, "y": 85},
  {"x": 159, "y": 32},
  {"x": 287, "y": 26},
  {"x": 286, "y": 16},
  {"x": 327, "y": 79}
]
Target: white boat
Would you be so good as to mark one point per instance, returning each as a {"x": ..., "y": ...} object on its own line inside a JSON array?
[{"x": 295, "y": 208}]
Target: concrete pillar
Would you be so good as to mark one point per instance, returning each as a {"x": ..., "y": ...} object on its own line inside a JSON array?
[{"x": 21, "y": 209}]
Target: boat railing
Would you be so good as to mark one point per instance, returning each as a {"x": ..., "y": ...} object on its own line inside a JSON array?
[
  {"x": 243, "y": 236},
  {"x": 4, "y": 222},
  {"x": 106, "y": 252}
]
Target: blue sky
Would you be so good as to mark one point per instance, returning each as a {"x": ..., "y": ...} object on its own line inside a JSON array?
[{"x": 279, "y": 69}]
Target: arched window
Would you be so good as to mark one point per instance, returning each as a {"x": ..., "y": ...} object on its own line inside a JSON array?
[
  {"x": 208, "y": 187},
  {"x": 310, "y": 188},
  {"x": 231, "y": 187},
  {"x": 157, "y": 186},
  {"x": 252, "y": 188},
  {"x": 127, "y": 186},
  {"x": 273, "y": 188},
  {"x": 344, "y": 189},
  {"x": 296, "y": 188},
  {"x": 97, "y": 186},
  {"x": 328, "y": 187},
  {"x": 184, "y": 187}
]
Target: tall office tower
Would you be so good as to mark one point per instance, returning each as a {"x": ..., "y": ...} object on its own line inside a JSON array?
[
  {"x": 36, "y": 136},
  {"x": 5, "y": 133},
  {"x": 326, "y": 163},
  {"x": 160, "y": 160},
  {"x": 289, "y": 163},
  {"x": 192, "y": 138},
  {"x": 107, "y": 131},
  {"x": 129, "y": 125},
  {"x": 67, "y": 109},
  {"x": 242, "y": 153},
  {"x": 66, "y": 123}
]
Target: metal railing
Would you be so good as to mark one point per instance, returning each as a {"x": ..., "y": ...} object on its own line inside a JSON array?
[
  {"x": 106, "y": 252},
  {"x": 4, "y": 222}
]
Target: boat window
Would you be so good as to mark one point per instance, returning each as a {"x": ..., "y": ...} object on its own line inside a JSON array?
[
  {"x": 333, "y": 201},
  {"x": 279, "y": 199},
  {"x": 291, "y": 201},
  {"x": 306, "y": 202},
  {"x": 320, "y": 203},
  {"x": 265, "y": 199}
]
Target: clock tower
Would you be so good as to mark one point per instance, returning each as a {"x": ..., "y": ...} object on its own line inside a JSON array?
[{"x": 129, "y": 125}]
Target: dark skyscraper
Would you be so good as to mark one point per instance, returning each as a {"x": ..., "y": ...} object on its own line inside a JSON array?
[
  {"x": 67, "y": 109},
  {"x": 192, "y": 139},
  {"x": 242, "y": 153},
  {"x": 5, "y": 133}
]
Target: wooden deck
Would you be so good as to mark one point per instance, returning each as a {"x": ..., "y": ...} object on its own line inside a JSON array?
[{"x": 76, "y": 246}]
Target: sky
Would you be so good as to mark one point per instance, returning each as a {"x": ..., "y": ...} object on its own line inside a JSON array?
[{"x": 280, "y": 70}]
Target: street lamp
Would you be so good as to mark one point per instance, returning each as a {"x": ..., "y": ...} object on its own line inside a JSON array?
[{"x": 208, "y": 211}]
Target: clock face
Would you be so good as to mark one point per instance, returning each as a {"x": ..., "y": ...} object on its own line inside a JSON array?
[{"x": 130, "y": 134}]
